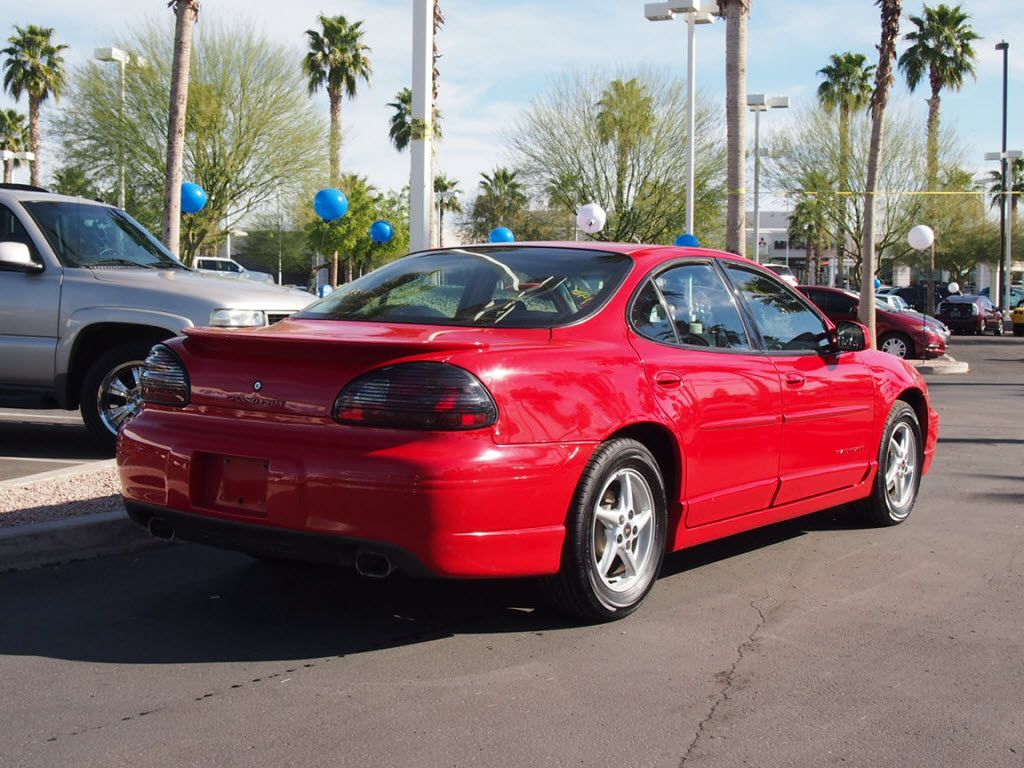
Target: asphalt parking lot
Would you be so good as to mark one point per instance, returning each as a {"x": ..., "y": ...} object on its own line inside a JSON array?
[{"x": 812, "y": 643}]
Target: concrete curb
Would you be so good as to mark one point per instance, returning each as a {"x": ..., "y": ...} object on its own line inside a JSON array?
[
  {"x": 940, "y": 365},
  {"x": 56, "y": 542},
  {"x": 77, "y": 538}
]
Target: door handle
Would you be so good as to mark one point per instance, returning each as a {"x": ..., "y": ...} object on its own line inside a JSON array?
[
  {"x": 668, "y": 379},
  {"x": 795, "y": 379}
]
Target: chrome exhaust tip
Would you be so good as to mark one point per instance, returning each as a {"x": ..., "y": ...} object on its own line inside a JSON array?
[
  {"x": 373, "y": 565},
  {"x": 161, "y": 529}
]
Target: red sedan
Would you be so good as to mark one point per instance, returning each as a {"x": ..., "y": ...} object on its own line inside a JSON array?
[
  {"x": 563, "y": 410},
  {"x": 904, "y": 334}
]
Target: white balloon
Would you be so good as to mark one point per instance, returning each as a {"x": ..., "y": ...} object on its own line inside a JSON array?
[
  {"x": 953, "y": 287},
  {"x": 591, "y": 218},
  {"x": 921, "y": 237}
]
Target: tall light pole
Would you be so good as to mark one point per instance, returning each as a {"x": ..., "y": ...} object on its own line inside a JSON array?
[
  {"x": 695, "y": 14},
  {"x": 122, "y": 58},
  {"x": 758, "y": 103},
  {"x": 421, "y": 178},
  {"x": 1004, "y": 271},
  {"x": 1006, "y": 209}
]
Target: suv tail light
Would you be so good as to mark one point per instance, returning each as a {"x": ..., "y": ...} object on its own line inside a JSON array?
[
  {"x": 164, "y": 379},
  {"x": 424, "y": 395}
]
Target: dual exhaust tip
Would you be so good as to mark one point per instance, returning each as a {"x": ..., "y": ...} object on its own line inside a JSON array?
[{"x": 368, "y": 563}]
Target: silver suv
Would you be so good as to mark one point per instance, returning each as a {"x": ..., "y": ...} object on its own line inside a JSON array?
[{"x": 85, "y": 291}]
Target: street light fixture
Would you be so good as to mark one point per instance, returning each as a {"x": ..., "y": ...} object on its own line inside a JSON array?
[
  {"x": 1006, "y": 266},
  {"x": 758, "y": 103},
  {"x": 695, "y": 13}
]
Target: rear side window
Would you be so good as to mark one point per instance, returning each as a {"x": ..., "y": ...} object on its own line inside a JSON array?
[{"x": 689, "y": 304}]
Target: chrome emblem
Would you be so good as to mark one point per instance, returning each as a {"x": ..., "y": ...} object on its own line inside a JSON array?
[{"x": 257, "y": 386}]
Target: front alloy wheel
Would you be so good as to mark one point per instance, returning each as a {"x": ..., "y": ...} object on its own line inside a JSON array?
[
  {"x": 896, "y": 344},
  {"x": 900, "y": 460}
]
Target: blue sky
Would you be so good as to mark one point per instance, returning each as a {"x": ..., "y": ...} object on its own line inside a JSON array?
[{"x": 500, "y": 54}]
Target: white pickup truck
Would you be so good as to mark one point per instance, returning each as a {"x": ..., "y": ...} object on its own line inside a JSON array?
[{"x": 85, "y": 291}]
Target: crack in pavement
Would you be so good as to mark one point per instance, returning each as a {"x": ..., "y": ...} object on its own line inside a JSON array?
[{"x": 727, "y": 678}]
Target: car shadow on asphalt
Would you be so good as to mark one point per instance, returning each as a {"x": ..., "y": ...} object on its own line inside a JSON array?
[{"x": 181, "y": 603}]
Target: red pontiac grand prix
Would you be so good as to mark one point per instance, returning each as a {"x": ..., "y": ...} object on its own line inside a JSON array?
[{"x": 570, "y": 411}]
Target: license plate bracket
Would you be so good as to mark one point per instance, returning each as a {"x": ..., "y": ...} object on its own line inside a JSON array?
[{"x": 232, "y": 483}]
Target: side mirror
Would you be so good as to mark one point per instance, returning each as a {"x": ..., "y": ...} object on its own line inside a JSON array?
[
  {"x": 16, "y": 257},
  {"x": 851, "y": 337}
]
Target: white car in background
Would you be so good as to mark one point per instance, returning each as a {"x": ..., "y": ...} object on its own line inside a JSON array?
[
  {"x": 226, "y": 266},
  {"x": 783, "y": 271}
]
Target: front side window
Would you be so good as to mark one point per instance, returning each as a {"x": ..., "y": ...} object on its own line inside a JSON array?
[
  {"x": 509, "y": 287},
  {"x": 780, "y": 315},
  {"x": 84, "y": 235},
  {"x": 689, "y": 304}
]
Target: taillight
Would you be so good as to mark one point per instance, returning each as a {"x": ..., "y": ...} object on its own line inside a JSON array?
[
  {"x": 164, "y": 378},
  {"x": 423, "y": 395}
]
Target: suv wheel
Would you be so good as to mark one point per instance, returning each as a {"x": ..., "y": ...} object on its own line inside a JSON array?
[{"x": 110, "y": 393}]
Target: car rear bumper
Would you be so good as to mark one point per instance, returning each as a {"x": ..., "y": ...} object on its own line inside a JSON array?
[{"x": 448, "y": 504}]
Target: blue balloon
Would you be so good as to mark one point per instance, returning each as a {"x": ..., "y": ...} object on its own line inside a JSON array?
[
  {"x": 688, "y": 241},
  {"x": 193, "y": 197},
  {"x": 502, "y": 235},
  {"x": 382, "y": 231},
  {"x": 878, "y": 283},
  {"x": 330, "y": 204}
]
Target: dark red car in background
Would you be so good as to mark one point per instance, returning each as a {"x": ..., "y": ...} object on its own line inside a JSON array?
[
  {"x": 904, "y": 334},
  {"x": 970, "y": 314}
]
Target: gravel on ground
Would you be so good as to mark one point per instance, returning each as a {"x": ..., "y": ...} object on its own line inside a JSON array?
[{"x": 61, "y": 497}]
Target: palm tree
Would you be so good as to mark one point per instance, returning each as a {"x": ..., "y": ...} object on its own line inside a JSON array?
[
  {"x": 1015, "y": 192},
  {"x": 14, "y": 137},
  {"x": 501, "y": 202},
  {"x": 446, "y": 189},
  {"x": 337, "y": 60},
  {"x": 735, "y": 13},
  {"x": 185, "y": 14},
  {"x": 400, "y": 127},
  {"x": 811, "y": 217},
  {"x": 890, "y": 13},
  {"x": 941, "y": 51},
  {"x": 35, "y": 67},
  {"x": 846, "y": 87}
]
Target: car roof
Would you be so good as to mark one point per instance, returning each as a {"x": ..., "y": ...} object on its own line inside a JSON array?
[
  {"x": 966, "y": 298},
  {"x": 28, "y": 193}
]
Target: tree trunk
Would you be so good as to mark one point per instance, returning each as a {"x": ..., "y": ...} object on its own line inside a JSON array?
[
  {"x": 185, "y": 12},
  {"x": 934, "y": 107},
  {"x": 8, "y": 171},
  {"x": 736, "y": 123},
  {"x": 335, "y": 95},
  {"x": 891, "y": 10},
  {"x": 845, "y": 200},
  {"x": 34, "y": 138}
]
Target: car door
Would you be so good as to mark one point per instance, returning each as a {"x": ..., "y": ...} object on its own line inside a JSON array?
[
  {"x": 724, "y": 397},
  {"x": 827, "y": 396},
  {"x": 29, "y": 312}
]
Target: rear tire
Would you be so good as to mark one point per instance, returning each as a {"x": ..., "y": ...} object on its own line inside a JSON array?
[
  {"x": 900, "y": 459},
  {"x": 110, "y": 393},
  {"x": 999, "y": 328},
  {"x": 615, "y": 535}
]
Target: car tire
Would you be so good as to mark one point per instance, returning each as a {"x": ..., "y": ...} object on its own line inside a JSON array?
[
  {"x": 615, "y": 535},
  {"x": 110, "y": 391},
  {"x": 999, "y": 328},
  {"x": 898, "y": 344},
  {"x": 900, "y": 460},
  {"x": 1018, "y": 330}
]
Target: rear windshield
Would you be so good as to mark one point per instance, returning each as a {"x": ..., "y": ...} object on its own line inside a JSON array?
[{"x": 506, "y": 286}]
